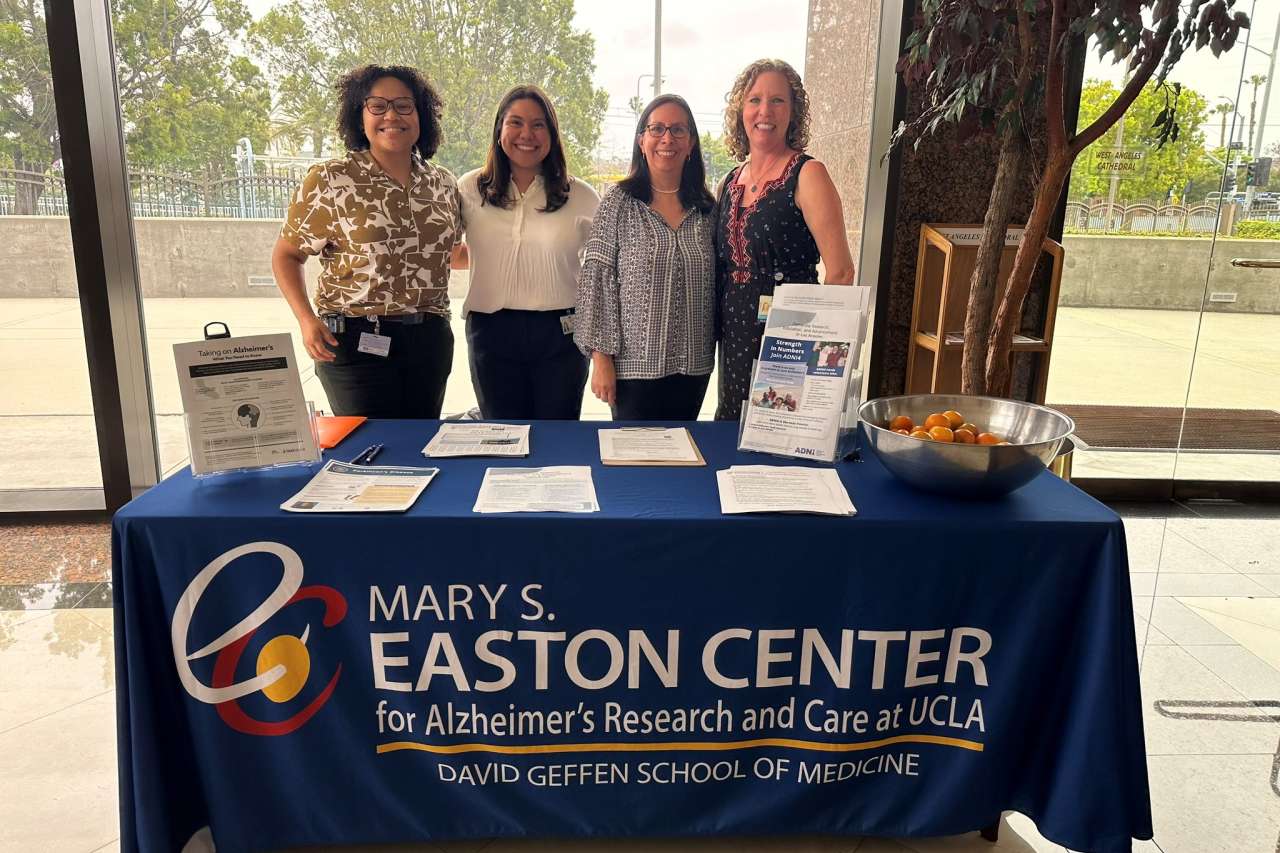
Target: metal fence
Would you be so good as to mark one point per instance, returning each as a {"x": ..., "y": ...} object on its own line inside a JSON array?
[
  {"x": 1142, "y": 218},
  {"x": 262, "y": 195}
]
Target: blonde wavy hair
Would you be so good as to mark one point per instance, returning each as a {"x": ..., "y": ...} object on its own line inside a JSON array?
[{"x": 797, "y": 131}]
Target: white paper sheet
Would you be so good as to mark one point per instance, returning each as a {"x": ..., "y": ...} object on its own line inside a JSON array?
[
  {"x": 343, "y": 487},
  {"x": 243, "y": 403},
  {"x": 470, "y": 439},
  {"x": 647, "y": 444},
  {"x": 559, "y": 488},
  {"x": 771, "y": 488}
]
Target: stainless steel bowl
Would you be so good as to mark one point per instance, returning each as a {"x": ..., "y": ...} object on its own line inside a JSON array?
[{"x": 1035, "y": 434}]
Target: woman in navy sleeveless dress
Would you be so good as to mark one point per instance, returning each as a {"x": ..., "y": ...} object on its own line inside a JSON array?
[{"x": 791, "y": 218}]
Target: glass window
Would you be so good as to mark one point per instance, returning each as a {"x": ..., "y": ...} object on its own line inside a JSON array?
[
  {"x": 44, "y": 381},
  {"x": 222, "y": 123}
]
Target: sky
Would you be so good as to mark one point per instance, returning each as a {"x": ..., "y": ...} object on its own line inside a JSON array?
[{"x": 704, "y": 46}]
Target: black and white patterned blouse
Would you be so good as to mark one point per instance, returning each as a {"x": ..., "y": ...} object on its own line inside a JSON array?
[{"x": 646, "y": 295}]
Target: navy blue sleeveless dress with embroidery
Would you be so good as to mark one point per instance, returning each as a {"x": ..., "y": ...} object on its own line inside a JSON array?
[{"x": 757, "y": 247}]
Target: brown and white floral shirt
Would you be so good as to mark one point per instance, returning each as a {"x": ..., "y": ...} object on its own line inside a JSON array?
[{"x": 384, "y": 248}]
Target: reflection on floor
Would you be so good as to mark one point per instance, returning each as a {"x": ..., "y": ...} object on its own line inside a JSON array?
[{"x": 1206, "y": 586}]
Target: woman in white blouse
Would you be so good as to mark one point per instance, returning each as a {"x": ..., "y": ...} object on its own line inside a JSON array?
[
  {"x": 526, "y": 221},
  {"x": 646, "y": 298}
]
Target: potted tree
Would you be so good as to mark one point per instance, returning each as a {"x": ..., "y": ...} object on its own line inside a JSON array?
[{"x": 985, "y": 65}]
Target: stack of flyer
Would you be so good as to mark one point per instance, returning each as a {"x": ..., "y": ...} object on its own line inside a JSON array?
[
  {"x": 471, "y": 439},
  {"x": 773, "y": 488},
  {"x": 805, "y": 380}
]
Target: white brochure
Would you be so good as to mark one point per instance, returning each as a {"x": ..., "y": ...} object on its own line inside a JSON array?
[
  {"x": 343, "y": 487},
  {"x": 808, "y": 354},
  {"x": 771, "y": 488},
  {"x": 558, "y": 488},
  {"x": 648, "y": 446},
  {"x": 243, "y": 403},
  {"x": 470, "y": 439}
]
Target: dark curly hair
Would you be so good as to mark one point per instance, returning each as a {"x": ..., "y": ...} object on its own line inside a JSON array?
[
  {"x": 353, "y": 87},
  {"x": 735, "y": 135}
]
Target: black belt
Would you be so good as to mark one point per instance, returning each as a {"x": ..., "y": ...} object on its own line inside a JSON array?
[{"x": 404, "y": 319}]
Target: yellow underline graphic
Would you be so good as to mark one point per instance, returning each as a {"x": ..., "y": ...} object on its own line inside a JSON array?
[{"x": 677, "y": 746}]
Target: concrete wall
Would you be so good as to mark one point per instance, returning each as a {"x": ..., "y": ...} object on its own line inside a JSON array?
[
  {"x": 176, "y": 257},
  {"x": 215, "y": 257},
  {"x": 1167, "y": 272}
]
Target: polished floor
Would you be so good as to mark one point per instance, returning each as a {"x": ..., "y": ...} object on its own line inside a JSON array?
[{"x": 1206, "y": 586}]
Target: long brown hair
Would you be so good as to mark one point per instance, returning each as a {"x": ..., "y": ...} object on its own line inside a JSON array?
[{"x": 495, "y": 178}]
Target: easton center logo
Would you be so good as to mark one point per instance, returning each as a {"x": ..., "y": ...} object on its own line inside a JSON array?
[{"x": 284, "y": 664}]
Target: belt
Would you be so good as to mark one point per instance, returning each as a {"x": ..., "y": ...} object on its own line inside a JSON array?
[{"x": 403, "y": 319}]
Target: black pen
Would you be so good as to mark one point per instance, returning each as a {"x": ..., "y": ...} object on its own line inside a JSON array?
[{"x": 366, "y": 455}]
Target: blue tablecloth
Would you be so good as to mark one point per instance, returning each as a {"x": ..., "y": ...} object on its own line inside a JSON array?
[{"x": 652, "y": 669}]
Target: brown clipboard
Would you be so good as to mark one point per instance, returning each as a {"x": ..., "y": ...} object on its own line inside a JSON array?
[{"x": 699, "y": 461}]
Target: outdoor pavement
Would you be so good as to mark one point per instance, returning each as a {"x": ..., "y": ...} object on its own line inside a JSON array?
[{"x": 1105, "y": 356}]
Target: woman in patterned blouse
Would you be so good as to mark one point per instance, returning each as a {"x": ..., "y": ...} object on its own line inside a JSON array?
[
  {"x": 383, "y": 220},
  {"x": 777, "y": 215},
  {"x": 646, "y": 296}
]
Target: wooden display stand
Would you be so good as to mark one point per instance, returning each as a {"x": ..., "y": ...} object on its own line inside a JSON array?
[{"x": 944, "y": 266}]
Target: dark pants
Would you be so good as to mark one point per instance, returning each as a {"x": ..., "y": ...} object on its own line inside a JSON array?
[
  {"x": 407, "y": 383},
  {"x": 671, "y": 398},
  {"x": 523, "y": 365}
]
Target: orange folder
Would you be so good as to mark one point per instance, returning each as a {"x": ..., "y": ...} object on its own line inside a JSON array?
[{"x": 332, "y": 429}]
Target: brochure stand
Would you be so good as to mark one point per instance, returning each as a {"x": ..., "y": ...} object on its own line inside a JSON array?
[
  {"x": 242, "y": 405},
  {"x": 805, "y": 389}
]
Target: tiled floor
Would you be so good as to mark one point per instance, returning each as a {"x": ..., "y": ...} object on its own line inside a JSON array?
[{"x": 1206, "y": 585}]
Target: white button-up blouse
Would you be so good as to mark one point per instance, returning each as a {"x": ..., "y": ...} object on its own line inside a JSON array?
[{"x": 521, "y": 256}]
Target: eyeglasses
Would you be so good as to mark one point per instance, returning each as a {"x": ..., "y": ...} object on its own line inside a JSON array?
[
  {"x": 379, "y": 106},
  {"x": 657, "y": 131}
]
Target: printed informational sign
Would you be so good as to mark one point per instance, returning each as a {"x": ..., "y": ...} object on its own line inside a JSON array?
[
  {"x": 1118, "y": 162},
  {"x": 243, "y": 402}
]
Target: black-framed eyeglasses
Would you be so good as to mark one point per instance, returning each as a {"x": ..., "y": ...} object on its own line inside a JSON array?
[
  {"x": 379, "y": 106},
  {"x": 657, "y": 131}
]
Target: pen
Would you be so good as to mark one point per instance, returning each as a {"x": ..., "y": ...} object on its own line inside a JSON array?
[{"x": 364, "y": 457}]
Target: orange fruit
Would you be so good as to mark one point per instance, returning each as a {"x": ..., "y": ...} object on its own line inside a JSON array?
[
  {"x": 955, "y": 418},
  {"x": 901, "y": 422},
  {"x": 964, "y": 436},
  {"x": 937, "y": 419},
  {"x": 903, "y": 431},
  {"x": 989, "y": 438},
  {"x": 941, "y": 433},
  {"x": 921, "y": 432},
  {"x": 970, "y": 427}
]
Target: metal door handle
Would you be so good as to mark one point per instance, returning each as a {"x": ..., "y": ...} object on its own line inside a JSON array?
[{"x": 1257, "y": 263}]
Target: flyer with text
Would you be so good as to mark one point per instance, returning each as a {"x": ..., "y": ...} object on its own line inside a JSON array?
[
  {"x": 244, "y": 405},
  {"x": 810, "y": 349}
]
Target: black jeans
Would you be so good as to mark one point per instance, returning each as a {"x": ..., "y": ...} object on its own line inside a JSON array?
[
  {"x": 523, "y": 365},
  {"x": 672, "y": 398},
  {"x": 409, "y": 382}
]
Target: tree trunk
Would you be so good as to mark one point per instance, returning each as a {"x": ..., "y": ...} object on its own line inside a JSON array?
[
  {"x": 1009, "y": 315},
  {"x": 982, "y": 286}
]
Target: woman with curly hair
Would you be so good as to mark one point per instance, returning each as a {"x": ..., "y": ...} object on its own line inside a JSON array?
[
  {"x": 383, "y": 220},
  {"x": 776, "y": 216}
]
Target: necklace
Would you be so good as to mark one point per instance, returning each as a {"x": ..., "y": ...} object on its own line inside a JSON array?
[
  {"x": 666, "y": 192},
  {"x": 754, "y": 181}
]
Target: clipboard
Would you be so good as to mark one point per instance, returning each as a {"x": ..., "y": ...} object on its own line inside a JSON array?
[
  {"x": 332, "y": 429},
  {"x": 676, "y": 463}
]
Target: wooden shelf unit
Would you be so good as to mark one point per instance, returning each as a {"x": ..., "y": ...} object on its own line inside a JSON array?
[{"x": 944, "y": 265}]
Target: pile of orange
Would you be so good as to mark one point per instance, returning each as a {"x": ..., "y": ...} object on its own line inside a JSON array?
[{"x": 949, "y": 426}]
